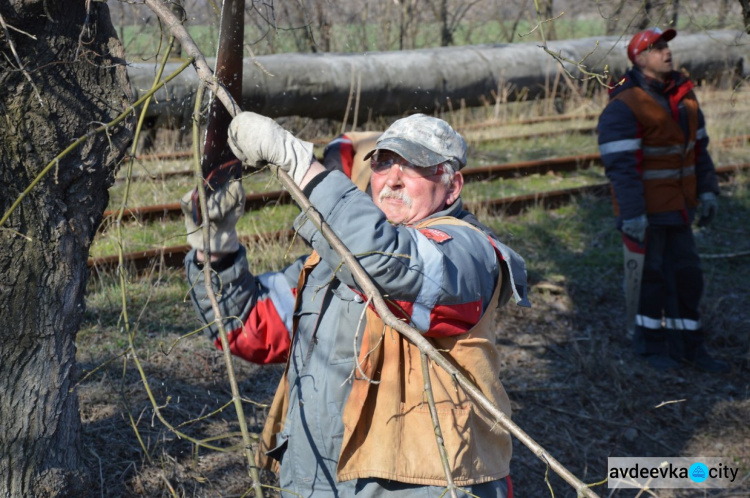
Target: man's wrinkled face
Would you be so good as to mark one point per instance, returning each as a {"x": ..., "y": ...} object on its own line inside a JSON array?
[
  {"x": 407, "y": 193},
  {"x": 656, "y": 62}
]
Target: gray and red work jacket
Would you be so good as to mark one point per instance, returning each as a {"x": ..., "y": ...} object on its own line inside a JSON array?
[
  {"x": 442, "y": 278},
  {"x": 653, "y": 144}
]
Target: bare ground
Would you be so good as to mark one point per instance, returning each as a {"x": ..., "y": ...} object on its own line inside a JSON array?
[{"x": 575, "y": 385}]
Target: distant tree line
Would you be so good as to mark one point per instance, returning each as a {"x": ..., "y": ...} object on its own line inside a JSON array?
[{"x": 375, "y": 25}]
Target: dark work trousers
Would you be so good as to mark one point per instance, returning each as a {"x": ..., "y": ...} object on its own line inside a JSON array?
[{"x": 671, "y": 289}]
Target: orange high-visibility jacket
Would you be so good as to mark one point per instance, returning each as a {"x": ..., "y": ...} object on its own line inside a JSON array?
[{"x": 668, "y": 162}]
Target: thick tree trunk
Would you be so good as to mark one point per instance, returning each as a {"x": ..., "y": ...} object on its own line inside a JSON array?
[{"x": 76, "y": 65}]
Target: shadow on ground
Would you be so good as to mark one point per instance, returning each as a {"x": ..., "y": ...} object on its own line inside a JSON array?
[{"x": 575, "y": 385}]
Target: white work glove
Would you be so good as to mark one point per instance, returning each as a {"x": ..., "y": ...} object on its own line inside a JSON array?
[
  {"x": 635, "y": 228},
  {"x": 257, "y": 140},
  {"x": 707, "y": 208},
  {"x": 225, "y": 206}
]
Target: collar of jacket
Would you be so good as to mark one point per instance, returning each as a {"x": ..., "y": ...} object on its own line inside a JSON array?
[
  {"x": 516, "y": 264},
  {"x": 635, "y": 78},
  {"x": 453, "y": 210}
]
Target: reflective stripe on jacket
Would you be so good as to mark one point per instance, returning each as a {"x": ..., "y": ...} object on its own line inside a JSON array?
[{"x": 668, "y": 164}]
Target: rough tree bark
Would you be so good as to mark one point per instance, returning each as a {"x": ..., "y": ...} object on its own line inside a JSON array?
[{"x": 75, "y": 63}]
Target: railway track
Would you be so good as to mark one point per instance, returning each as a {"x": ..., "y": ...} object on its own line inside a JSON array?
[
  {"x": 525, "y": 136},
  {"x": 507, "y": 170},
  {"x": 167, "y": 156},
  {"x": 542, "y": 119},
  {"x": 173, "y": 256},
  {"x": 259, "y": 200}
]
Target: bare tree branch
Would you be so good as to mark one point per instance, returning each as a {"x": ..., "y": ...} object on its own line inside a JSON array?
[{"x": 436, "y": 425}]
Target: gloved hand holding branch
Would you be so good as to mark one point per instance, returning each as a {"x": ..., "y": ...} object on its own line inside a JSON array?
[
  {"x": 257, "y": 140},
  {"x": 225, "y": 207}
]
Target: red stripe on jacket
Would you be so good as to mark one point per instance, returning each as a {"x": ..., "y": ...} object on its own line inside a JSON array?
[
  {"x": 346, "y": 154},
  {"x": 455, "y": 319},
  {"x": 445, "y": 319},
  {"x": 264, "y": 338}
]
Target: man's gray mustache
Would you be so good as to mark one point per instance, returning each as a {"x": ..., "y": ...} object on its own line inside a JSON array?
[{"x": 387, "y": 193}]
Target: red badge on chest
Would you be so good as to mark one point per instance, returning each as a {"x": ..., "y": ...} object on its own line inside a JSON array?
[{"x": 434, "y": 234}]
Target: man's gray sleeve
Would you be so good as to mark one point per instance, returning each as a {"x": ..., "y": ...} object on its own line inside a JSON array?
[{"x": 235, "y": 287}]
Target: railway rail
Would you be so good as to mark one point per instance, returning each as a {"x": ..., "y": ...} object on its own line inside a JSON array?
[
  {"x": 259, "y": 200},
  {"x": 480, "y": 173},
  {"x": 173, "y": 256},
  {"x": 524, "y": 136}
]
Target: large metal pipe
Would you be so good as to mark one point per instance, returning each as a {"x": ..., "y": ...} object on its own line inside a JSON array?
[{"x": 393, "y": 83}]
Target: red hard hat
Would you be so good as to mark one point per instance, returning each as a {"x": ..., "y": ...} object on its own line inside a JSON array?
[{"x": 643, "y": 40}]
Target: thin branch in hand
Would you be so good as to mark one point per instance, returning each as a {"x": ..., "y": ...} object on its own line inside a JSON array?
[
  {"x": 436, "y": 425},
  {"x": 208, "y": 282},
  {"x": 357, "y": 363}
]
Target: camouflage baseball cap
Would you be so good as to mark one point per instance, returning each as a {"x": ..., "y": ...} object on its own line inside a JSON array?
[{"x": 424, "y": 141}]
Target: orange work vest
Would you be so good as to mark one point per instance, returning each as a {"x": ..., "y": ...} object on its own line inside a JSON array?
[{"x": 668, "y": 166}]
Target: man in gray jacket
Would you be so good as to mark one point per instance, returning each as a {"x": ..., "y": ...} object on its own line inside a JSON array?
[{"x": 334, "y": 431}]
